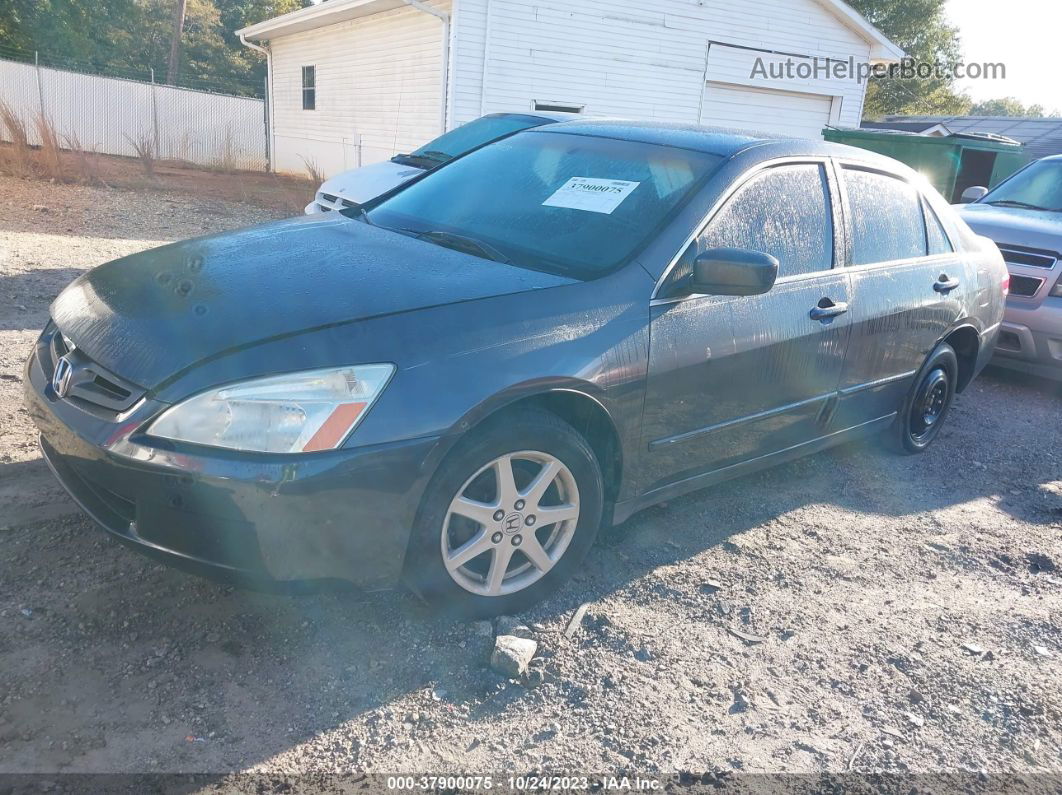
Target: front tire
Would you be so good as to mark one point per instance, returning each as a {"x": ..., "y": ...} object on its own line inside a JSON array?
[
  {"x": 508, "y": 518},
  {"x": 928, "y": 403}
]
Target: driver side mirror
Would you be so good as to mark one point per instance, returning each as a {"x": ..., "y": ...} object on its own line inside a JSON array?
[
  {"x": 974, "y": 193},
  {"x": 733, "y": 271}
]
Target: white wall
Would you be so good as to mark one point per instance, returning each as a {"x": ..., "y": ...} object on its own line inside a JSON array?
[
  {"x": 105, "y": 112},
  {"x": 379, "y": 84},
  {"x": 642, "y": 58}
]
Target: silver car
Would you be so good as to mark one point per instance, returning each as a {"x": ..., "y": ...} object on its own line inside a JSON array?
[{"x": 1024, "y": 217}]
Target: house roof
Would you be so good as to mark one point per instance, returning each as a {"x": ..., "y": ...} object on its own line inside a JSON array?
[
  {"x": 333, "y": 11},
  {"x": 317, "y": 16},
  {"x": 1042, "y": 137},
  {"x": 882, "y": 49}
]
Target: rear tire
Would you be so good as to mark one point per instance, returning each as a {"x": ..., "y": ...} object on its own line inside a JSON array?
[
  {"x": 927, "y": 404},
  {"x": 489, "y": 507}
]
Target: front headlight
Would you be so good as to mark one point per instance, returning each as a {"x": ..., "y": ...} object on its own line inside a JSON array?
[{"x": 293, "y": 413}]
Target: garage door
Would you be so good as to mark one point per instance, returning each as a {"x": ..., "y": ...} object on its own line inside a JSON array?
[{"x": 765, "y": 110}]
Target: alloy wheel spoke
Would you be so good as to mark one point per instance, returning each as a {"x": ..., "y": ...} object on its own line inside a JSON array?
[
  {"x": 503, "y": 472},
  {"x": 499, "y": 565},
  {"x": 470, "y": 550},
  {"x": 539, "y": 558},
  {"x": 479, "y": 512},
  {"x": 532, "y": 495},
  {"x": 556, "y": 513}
]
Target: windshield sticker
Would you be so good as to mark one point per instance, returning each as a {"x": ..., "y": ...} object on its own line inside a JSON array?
[{"x": 591, "y": 195}]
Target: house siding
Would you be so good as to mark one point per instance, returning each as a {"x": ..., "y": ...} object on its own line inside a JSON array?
[
  {"x": 379, "y": 90},
  {"x": 379, "y": 78},
  {"x": 639, "y": 58}
]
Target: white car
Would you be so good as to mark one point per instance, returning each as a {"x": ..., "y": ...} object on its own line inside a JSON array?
[{"x": 360, "y": 185}]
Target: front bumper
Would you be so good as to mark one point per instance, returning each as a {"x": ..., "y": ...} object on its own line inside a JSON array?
[
  {"x": 1030, "y": 339},
  {"x": 343, "y": 515}
]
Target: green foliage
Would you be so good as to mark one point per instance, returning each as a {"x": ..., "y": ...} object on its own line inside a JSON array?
[
  {"x": 134, "y": 36},
  {"x": 920, "y": 28},
  {"x": 1009, "y": 106}
]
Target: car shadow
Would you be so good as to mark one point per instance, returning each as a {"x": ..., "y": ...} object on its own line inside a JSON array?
[
  {"x": 115, "y": 662},
  {"x": 26, "y": 296}
]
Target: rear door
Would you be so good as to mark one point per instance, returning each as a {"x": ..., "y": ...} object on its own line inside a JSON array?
[
  {"x": 907, "y": 290},
  {"x": 734, "y": 378}
]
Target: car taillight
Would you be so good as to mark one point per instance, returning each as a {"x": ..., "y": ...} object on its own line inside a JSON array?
[{"x": 1006, "y": 284}]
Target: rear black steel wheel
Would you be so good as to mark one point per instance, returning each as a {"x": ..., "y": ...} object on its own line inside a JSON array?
[{"x": 928, "y": 402}]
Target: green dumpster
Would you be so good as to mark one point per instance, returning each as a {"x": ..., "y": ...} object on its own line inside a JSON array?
[{"x": 952, "y": 163}]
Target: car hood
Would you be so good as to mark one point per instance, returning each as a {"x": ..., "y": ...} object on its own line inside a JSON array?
[
  {"x": 1018, "y": 227},
  {"x": 366, "y": 183},
  {"x": 150, "y": 316}
]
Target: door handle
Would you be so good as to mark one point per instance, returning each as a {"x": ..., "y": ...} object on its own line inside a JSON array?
[
  {"x": 944, "y": 284},
  {"x": 827, "y": 310}
]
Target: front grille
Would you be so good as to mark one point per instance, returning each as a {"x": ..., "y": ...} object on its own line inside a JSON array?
[
  {"x": 90, "y": 385},
  {"x": 1024, "y": 286},
  {"x": 1029, "y": 257},
  {"x": 328, "y": 197}
]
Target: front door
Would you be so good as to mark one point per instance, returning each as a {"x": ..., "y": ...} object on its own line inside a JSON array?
[{"x": 734, "y": 378}]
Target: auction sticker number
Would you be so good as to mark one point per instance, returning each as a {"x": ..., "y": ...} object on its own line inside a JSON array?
[
  {"x": 591, "y": 195},
  {"x": 436, "y": 783}
]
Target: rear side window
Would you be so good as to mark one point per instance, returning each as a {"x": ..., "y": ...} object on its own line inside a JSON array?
[
  {"x": 936, "y": 237},
  {"x": 886, "y": 218},
  {"x": 785, "y": 212}
]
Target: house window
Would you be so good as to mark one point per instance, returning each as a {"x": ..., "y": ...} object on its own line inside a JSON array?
[
  {"x": 309, "y": 87},
  {"x": 556, "y": 107}
]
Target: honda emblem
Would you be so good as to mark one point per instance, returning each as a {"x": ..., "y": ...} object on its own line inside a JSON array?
[{"x": 64, "y": 371}]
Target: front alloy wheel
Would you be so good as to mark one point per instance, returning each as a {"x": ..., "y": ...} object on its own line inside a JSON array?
[
  {"x": 509, "y": 515},
  {"x": 510, "y": 523}
]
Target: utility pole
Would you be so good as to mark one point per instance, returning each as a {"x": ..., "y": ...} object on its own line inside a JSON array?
[{"x": 175, "y": 43}]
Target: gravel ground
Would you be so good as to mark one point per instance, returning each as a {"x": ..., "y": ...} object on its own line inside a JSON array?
[{"x": 854, "y": 610}]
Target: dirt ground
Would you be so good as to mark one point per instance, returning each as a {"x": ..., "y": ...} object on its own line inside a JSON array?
[{"x": 850, "y": 611}]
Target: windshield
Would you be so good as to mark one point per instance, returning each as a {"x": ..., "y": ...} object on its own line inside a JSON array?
[
  {"x": 472, "y": 135},
  {"x": 568, "y": 204},
  {"x": 1038, "y": 187}
]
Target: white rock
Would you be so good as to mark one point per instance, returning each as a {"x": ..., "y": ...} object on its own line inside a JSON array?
[{"x": 512, "y": 655}]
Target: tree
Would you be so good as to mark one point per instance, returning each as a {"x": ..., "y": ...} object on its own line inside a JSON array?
[
  {"x": 173, "y": 62},
  {"x": 134, "y": 37},
  {"x": 1007, "y": 106},
  {"x": 920, "y": 28}
]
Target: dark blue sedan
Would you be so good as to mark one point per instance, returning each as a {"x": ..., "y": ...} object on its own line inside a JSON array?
[{"x": 459, "y": 383}]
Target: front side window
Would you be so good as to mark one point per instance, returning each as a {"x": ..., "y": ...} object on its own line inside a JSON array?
[
  {"x": 886, "y": 218},
  {"x": 1037, "y": 187},
  {"x": 785, "y": 212},
  {"x": 309, "y": 87},
  {"x": 572, "y": 204}
]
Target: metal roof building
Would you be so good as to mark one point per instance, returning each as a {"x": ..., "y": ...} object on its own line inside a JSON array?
[{"x": 1041, "y": 136}]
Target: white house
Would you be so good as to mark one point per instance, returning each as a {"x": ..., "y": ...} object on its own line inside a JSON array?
[{"x": 356, "y": 81}]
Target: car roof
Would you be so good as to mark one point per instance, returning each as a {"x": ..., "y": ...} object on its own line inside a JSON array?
[
  {"x": 723, "y": 141},
  {"x": 714, "y": 140}
]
